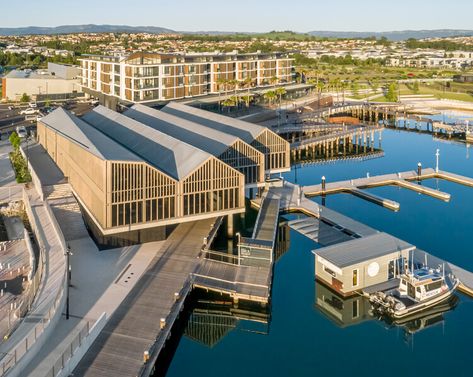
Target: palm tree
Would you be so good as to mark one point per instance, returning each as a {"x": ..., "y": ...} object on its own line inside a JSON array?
[
  {"x": 344, "y": 86},
  {"x": 273, "y": 80},
  {"x": 229, "y": 102},
  {"x": 336, "y": 85},
  {"x": 270, "y": 95},
  {"x": 221, "y": 82},
  {"x": 280, "y": 92},
  {"x": 247, "y": 99}
]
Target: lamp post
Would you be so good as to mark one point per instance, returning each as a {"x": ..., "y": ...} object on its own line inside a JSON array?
[
  {"x": 437, "y": 154},
  {"x": 68, "y": 266}
]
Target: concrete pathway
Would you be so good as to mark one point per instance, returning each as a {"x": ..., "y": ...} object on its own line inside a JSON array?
[{"x": 100, "y": 281}]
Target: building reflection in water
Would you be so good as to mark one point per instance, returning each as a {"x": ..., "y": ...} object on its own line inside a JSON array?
[
  {"x": 349, "y": 311},
  {"x": 212, "y": 319},
  {"x": 213, "y": 316}
]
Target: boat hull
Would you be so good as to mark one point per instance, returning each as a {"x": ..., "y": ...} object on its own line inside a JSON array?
[{"x": 421, "y": 306}]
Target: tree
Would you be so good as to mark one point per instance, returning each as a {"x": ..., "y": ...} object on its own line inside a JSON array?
[
  {"x": 15, "y": 140},
  {"x": 230, "y": 102},
  {"x": 280, "y": 92},
  {"x": 415, "y": 87},
  {"x": 270, "y": 96},
  {"x": 247, "y": 99},
  {"x": 391, "y": 94},
  {"x": 25, "y": 98}
]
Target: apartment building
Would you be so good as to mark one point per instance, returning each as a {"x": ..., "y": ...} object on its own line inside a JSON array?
[{"x": 152, "y": 77}]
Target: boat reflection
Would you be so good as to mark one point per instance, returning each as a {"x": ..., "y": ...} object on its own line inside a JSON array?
[{"x": 353, "y": 310}]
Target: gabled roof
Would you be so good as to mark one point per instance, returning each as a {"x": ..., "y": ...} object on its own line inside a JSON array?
[
  {"x": 208, "y": 139},
  {"x": 87, "y": 136},
  {"x": 363, "y": 249},
  {"x": 172, "y": 156},
  {"x": 244, "y": 130}
]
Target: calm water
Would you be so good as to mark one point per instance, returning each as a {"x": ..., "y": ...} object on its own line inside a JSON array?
[{"x": 302, "y": 341}]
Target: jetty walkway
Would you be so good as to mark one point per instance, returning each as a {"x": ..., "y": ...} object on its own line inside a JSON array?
[
  {"x": 409, "y": 180},
  {"x": 328, "y": 227},
  {"x": 247, "y": 275}
]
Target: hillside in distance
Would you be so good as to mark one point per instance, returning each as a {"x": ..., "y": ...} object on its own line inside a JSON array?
[
  {"x": 394, "y": 35},
  {"x": 90, "y": 28}
]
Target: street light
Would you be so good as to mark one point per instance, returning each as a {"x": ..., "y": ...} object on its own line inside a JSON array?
[{"x": 68, "y": 266}]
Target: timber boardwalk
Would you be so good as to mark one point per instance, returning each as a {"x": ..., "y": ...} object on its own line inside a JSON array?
[
  {"x": 248, "y": 275},
  {"x": 135, "y": 326}
]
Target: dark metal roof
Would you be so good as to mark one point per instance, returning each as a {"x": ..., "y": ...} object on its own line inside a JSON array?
[
  {"x": 87, "y": 136},
  {"x": 363, "y": 249},
  {"x": 207, "y": 139},
  {"x": 246, "y": 131},
  {"x": 172, "y": 156}
]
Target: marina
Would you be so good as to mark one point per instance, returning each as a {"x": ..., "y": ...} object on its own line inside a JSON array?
[{"x": 324, "y": 226}]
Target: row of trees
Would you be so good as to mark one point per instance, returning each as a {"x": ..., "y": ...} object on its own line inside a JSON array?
[
  {"x": 34, "y": 60},
  {"x": 19, "y": 164},
  {"x": 270, "y": 96}
]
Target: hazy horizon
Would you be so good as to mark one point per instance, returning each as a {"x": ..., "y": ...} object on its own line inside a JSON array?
[{"x": 246, "y": 15}]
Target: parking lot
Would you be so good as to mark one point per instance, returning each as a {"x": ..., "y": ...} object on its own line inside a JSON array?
[{"x": 11, "y": 115}]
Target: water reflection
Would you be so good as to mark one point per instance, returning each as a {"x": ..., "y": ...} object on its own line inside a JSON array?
[
  {"x": 349, "y": 311},
  {"x": 212, "y": 319}
]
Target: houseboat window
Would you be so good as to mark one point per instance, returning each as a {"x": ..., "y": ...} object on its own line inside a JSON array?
[
  {"x": 391, "y": 270},
  {"x": 418, "y": 289},
  {"x": 329, "y": 271},
  {"x": 355, "y": 278},
  {"x": 355, "y": 308},
  {"x": 433, "y": 286}
]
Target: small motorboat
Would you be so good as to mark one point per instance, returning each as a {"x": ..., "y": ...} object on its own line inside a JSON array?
[{"x": 418, "y": 290}]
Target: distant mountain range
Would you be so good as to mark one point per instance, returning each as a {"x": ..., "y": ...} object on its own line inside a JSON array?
[
  {"x": 394, "y": 35},
  {"x": 92, "y": 28}
]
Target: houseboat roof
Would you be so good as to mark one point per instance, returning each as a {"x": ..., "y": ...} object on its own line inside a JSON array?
[{"x": 363, "y": 249}]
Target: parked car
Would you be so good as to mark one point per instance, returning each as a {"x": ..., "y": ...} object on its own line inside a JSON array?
[
  {"x": 28, "y": 111},
  {"x": 39, "y": 117},
  {"x": 21, "y": 131},
  {"x": 33, "y": 105}
]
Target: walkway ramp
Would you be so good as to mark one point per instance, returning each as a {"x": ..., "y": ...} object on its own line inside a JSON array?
[
  {"x": 247, "y": 276},
  {"x": 319, "y": 232},
  {"x": 135, "y": 325},
  {"x": 67, "y": 211}
]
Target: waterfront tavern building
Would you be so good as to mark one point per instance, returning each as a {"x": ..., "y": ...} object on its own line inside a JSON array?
[
  {"x": 275, "y": 149},
  {"x": 152, "y": 77},
  {"x": 138, "y": 174},
  {"x": 130, "y": 177}
]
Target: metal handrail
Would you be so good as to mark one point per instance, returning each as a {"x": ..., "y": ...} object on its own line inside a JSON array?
[{"x": 13, "y": 357}]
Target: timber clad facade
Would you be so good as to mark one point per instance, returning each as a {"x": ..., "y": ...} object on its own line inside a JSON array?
[
  {"x": 275, "y": 149},
  {"x": 227, "y": 148},
  {"x": 147, "y": 77},
  {"x": 122, "y": 189}
]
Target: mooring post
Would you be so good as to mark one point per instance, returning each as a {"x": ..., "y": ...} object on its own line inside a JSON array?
[
  {"x": 323, "y": 183},
  {"x": 437, "y": 154},
  {"x": 419, "y": 170}
]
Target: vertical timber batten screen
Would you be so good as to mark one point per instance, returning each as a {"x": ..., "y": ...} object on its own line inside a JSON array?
[
  {"x": 141, "y": 194},
  {"x": 275, "y": 149},
  {"x": 213, "y": 187},
  {"x": 247, "y": 160}
]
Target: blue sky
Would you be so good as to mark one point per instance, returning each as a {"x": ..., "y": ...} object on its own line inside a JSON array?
[{"x": 246, "y": 15}]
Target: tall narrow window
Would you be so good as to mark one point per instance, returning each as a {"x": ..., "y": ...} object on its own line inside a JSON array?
[{"x": 355, "y": 278}]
